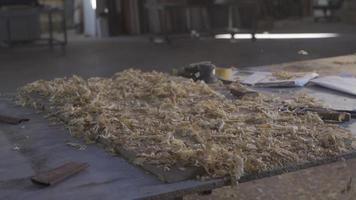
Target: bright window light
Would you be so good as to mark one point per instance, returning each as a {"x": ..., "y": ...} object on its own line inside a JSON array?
[
  {"x": 93, "y": 4},
  {"x": 276, "y": 36}
]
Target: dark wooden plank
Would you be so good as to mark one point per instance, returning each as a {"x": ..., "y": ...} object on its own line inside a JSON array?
[
  {"x": 59, "y": 174},
  {"x": 12, "y": 120},
  {"x": 332, "y": 116},
  {"x": 329, "y": 115}
]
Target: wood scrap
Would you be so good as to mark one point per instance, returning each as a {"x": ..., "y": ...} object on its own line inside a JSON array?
[
  {"x": 12, "y": 120},
  {"x": 331, "y": 115},
  {"x": 328, "y": 115},
  {"x": 58, "y": 174}
]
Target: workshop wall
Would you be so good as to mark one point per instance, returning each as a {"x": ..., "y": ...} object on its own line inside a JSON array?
[
  {"x": 69, "y": 7},
  {"x": 347, "y": 13}
]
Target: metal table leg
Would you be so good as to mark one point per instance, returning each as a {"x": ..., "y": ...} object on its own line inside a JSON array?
[
  {"x": 8, "y": 29},
  {"x": 64, "y": 29},
  {"x": 50, "y": 28}
]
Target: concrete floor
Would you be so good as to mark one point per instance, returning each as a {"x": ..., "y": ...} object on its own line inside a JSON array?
[
  {"x": 87, "y": 57},
  {"x": 329, "y": 182}
]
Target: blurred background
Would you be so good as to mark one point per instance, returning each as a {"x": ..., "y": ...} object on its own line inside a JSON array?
[
  {"x": 54, "y": 38},
  {"x": 45, "y": 39}
]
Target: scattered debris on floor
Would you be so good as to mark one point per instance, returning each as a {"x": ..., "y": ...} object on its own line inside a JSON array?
[
  {"x": 303, "y": 52},
  {"x": 59, "y": 174},
  {"x": 78, "y": 146},
  {"x": 16, "y": 147},
  {"x": 174, "y": 122}
]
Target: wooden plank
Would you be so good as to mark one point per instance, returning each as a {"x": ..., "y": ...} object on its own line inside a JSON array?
[
  {"x": 327, "y": 115},
  {"x": 12, "y": 120},
  {"x": 59, "y": 174},
  {"x": 331, "y": 115}
]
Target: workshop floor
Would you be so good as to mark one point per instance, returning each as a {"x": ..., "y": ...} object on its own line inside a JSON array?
[
  {"x": 87, "y": 57},
  {"x": 333, "y": 182}
]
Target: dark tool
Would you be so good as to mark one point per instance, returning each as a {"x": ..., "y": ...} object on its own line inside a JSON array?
[
  {"x": 328, "y": 115},
  {"x": 204, "y": 71},
  {"x": 58, "y": 174},
  {"x": 331, "y": 115},
  {"x": 12, "y": 120}
]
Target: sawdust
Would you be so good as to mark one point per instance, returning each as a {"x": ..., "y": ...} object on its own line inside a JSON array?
[
  {"x": 283, "y": 75},
  {"x": 171, "y": 121}
]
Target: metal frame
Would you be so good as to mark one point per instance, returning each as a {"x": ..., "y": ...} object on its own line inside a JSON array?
[
  {"x": 50, "y": 41},
  {"x": 332, "y": 6}
]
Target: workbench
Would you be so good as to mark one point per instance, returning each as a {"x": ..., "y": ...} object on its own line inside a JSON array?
[{"x": 38, "y": 145}]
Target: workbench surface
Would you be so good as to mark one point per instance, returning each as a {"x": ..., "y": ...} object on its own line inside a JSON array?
[{"x": 37, "y": 146}]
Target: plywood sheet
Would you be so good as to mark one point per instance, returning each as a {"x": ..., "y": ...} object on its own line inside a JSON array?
[{"x": 342, "y": 84}]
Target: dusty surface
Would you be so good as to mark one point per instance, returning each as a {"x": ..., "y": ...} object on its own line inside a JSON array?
[
  {"x": 325, "y": 66},
  {"x": 333, "y": 181}
]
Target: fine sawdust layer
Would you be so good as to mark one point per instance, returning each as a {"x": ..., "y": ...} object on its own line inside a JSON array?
[{"x": 172, "y": 121}]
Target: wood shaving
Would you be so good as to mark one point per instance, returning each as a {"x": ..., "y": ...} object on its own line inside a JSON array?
[
  {"x": 172, "y": 121},
  {"x": 283, "y": 75}
]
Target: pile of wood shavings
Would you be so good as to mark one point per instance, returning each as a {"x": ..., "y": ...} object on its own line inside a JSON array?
[{"x": 171, "y": 121}]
